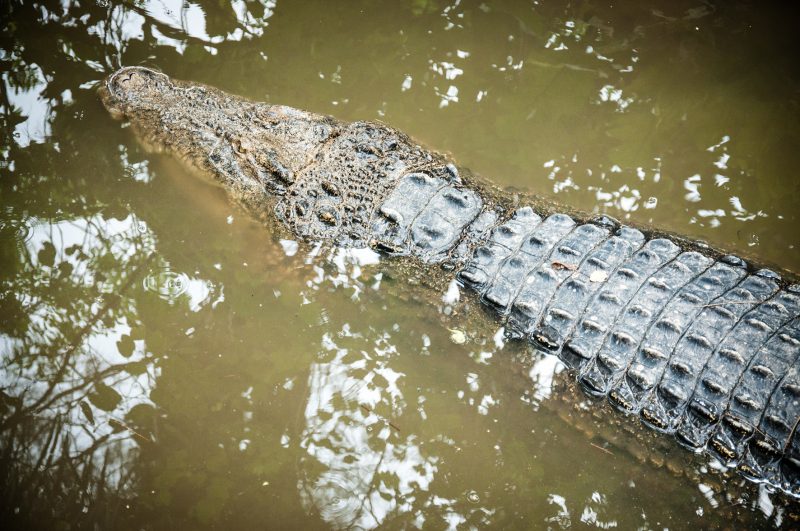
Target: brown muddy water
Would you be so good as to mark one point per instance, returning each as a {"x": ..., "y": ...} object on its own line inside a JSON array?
[{"x": 169, "y": 364}]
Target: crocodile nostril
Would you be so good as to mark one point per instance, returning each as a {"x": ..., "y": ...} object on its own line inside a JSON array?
[
  {"x": 134, "y": 79},
  {"x": 132, "y": 85}
]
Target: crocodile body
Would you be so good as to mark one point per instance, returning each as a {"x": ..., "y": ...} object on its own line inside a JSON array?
[{"x": 696, "y": 343}]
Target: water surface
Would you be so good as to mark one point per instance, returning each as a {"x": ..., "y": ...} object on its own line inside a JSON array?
[{"x": 168, "y": 362}]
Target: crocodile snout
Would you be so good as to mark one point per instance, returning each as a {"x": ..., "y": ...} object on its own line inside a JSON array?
[{"x": 132, "y": 85}]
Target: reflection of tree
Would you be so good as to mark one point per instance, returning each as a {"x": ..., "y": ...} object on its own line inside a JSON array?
[
  {"x": 369, "y": 466},
  {"x": 76, "y": 404},
  {"x": 64, "y": 392},
  {"x": 364, "y": 466},
  {"x": 65, "y": 285}
]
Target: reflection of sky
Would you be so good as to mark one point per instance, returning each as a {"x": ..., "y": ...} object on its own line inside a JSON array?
[
  {"x": 125, "y": 25},
  {"x": 190, "y": 19},
  {"x": 345, "y": 269},
  {"x": 31, "y": 103},
  {"x": 356, "y": 446},
  {"x": 122, "y": 239},
  {"x": 64, "y": 357},
  {"x": 626, "y": 197},
  {"x": 184, "y": 16},
  {"x": 371, "y": 471}
]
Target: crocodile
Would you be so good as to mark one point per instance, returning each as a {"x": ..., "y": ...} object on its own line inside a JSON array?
[{"x": 696, "y": 343}]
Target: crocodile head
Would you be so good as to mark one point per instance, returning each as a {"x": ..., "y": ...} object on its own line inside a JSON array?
[
  {"x": 327, "y": 177},
  {"x": 247, "y": 146}
]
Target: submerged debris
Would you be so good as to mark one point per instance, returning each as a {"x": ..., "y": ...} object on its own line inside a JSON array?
[{"x": 459, "y": 337}]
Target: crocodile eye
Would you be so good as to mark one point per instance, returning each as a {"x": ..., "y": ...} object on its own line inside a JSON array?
[
  {"x": 301, "y": 208},
  {"x": 328, "y": 215},
  {"x": 323, "y": 132}
]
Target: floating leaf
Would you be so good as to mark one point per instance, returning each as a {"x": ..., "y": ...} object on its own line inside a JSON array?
[
  {"x": 459, "y": 337},
  {"x": 563, "y": 266}
]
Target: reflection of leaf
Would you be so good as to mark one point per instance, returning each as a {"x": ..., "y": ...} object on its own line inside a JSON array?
[
  {"x": 220, "y": 18},
  {"x": 104, "y": 397},
  {"x": 47, "y": 255},
  {"x": 15, "y": 319},
  {"x": 136, "y": 368},
  {"x": 125, "y": 346},
  {"x": 65, "y": 269},
  {"x": 87, "y": 412},
  {"x": 142, "y": 416}
]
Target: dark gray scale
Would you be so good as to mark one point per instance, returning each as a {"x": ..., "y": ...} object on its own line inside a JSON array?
[
  {"x": 611, "y": 299},
  {"x": 536, "y": 289},
  {"x": 622, "y": 342},
  {"x": 553, "y": 240},
  {"x": 725, "y": 375},
  {"x": 664, "y": 406},
  {"x": 790, "y": 464},
  {"x": 504, "y": 241},
  {"x": 762, "y": 452},
  {"x": 224, "y": 161},
  {"x": 645, "y": 370},
  {"x": 772, "y": 452},
  {"x": 512, "y": 269},
  {"x": 535, "y": 248},
  {"x": 397, "y": 213},
  {"x": 750, "y": 394},
  {"x": 436, "y": 229},
  {"x": 477, "y": 232},
  {"x": 574, "y": 294}
]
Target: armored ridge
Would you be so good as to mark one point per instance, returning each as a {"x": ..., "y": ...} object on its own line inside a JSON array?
[{"x": 696, "y": 345}]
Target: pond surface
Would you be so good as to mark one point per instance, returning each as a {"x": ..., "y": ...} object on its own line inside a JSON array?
[{"x": 168, "y": 363}]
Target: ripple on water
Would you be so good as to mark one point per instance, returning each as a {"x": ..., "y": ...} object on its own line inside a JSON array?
[
  {"x": 167, "y": 284},
  {"x": 14, "y": 229},
  {"x": 473, "y": 497},
  {"x": 336, "y": 496}
]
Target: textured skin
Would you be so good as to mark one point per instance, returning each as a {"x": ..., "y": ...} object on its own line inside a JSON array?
[{"x": 696, "y": 344}]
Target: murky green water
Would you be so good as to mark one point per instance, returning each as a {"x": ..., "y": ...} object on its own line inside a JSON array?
[{"x": 168, "y": 363}]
